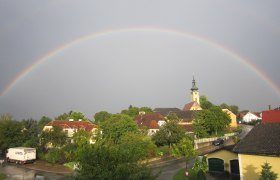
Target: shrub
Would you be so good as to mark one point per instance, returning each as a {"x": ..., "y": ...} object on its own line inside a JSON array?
[{"x": 54, "y": 155}]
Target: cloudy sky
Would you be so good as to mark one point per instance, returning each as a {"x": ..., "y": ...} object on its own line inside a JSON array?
[{"x": 89, "y": 56}]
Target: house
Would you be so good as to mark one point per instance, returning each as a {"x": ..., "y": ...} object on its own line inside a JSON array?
[
  {"x": 233, "y": 123},
  {"x": 151, "y": 121},
  {"x": 223, "y": 159},
  {"x": 70, "y": 127},
  {"x": 271, "y": 115},
  {"x": 250, "y": 116},
  {"x": 260, "y": 145}
]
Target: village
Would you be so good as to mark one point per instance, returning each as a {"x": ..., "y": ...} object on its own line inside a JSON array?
[{"x": 227, "y": 141}]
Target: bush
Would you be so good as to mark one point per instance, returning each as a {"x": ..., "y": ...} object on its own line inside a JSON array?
[
  {"x": 69, "y": 152},
  {"x": 163, "y": 151},
  {"x": 151, "y": 150},
  {"x": 54, "y": 155}
]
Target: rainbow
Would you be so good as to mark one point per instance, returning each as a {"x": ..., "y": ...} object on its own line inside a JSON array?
[{"x": 187, "y": 35}]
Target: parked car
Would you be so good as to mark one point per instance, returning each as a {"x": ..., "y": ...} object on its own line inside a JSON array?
[{"x": 218, "y": 142}]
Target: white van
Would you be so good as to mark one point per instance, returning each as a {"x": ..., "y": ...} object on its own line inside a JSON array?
[{"x": 21, "y": 155}]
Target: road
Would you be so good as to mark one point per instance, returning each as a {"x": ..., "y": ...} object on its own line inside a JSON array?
[
  {"x": 245, "y": 130},
  {"x": 169, "y": 167},
  {"x": 18, "y": 172}
]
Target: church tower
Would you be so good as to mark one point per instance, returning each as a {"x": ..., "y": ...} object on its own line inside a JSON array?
[{"x": 194, "y": 92}]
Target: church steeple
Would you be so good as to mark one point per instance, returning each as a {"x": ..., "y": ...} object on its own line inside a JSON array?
[
  {"x": 194, "y": 88},
  {"x": 195, "y": 93}
]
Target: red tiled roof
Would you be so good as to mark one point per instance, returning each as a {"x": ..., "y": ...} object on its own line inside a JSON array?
[
  {"x": 188, "y": 106},
  {"x": 154, "y": 125},
  {"x": 73, "y": 124},
  {"x": 151, "y": 116},
  {"x": 149, "y": 121}
]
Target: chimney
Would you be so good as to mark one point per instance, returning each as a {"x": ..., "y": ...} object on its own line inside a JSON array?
[
  {"x": 142, "y": 113},
  {"x": 269, "y": 107}
]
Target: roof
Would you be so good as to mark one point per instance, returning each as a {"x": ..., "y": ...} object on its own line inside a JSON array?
[
  {"x": 242, "y": 114},
  {"x": 166, "y": 111},
  {"x": 73, "y": 124},
  {"x": 188, "y": 106},
  {"x": 263, "y": 139},
  {"x": 151, "y": 116},
  {"x": 219, "y": 148},
  {"x": 187, "y": 116},
  {"x": 187, "y": 127},
  {"x": 271, "y": 115},
  {"x": 149, "y": 120}
]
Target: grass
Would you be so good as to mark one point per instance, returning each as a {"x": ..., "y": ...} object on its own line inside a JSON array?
[
  {"x": 3, "y": 176},
  {"x": 180, "y": 175},
  {"x": 70, "y": 165}
]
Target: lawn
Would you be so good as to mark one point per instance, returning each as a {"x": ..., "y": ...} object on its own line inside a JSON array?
[
  {"x": 2, "y": 176},
  {"x": 180, "y": 175}
]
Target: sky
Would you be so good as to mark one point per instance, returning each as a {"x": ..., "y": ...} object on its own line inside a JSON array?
[{"x": 91, "y": 56}]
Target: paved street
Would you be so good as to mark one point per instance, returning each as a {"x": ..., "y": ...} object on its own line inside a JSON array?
[
  {"x": 19, "y": 172},
  {"x": 168, "y": 167},
  {"x": 245, "y": 130}
]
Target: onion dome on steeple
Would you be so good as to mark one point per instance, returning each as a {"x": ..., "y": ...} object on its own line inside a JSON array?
[{"x": 194, "y": 88}]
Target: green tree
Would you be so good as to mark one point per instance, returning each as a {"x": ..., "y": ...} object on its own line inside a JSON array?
[
  {"x": 172, "y": 117},
  {"x": 64, "y": 116},
  {"x": 101, "y": 116},
  {"x": 117, "y": 125},
  {"x": 168, "y": 134},
  {"x": 137, "y": 143},
  {"x": 184, "y": 148},
  {"x": 54, "y": 155},
  {"x": 205, "y": 103},
  {"x": 233, "y": 108},
  {"x": 266, "y": 173},
  {"x": 76, "y": 115},
  {"x": 55, "y": 136},
  {"x": 213, "y": 119},
  {"x": 200, "y": 127},
  {"x": 200, "y": 164},
  {"x": 10, "y": 132},
  {"x": 147, "y": 110},
  {"x": 107, "y": 160},
  {"x": 30, "y": 131},
  {"x": 82, "y": 137},
  {"x": 43, "y": 121},
  {"x": 134, "y": 111}
]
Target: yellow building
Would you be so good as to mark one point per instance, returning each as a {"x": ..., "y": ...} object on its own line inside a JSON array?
[
  {"x": 233, "y": 123},
  {"x": 261, "y": 145},
  {"x": 223, "y": 160}
]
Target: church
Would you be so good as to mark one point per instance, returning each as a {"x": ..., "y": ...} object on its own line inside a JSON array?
[
  {"x": 185, "y": 114},
  {"x": 195, "y": 103},
  {"x": 154, "y": 120}
]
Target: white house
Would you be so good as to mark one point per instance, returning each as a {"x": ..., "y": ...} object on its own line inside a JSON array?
[
  {"x": 70, "y": 127},
  {"x": 250, "y": 116}
]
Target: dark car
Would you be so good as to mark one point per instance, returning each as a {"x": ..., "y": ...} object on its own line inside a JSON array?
[{"x": 218, "y": 142}]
